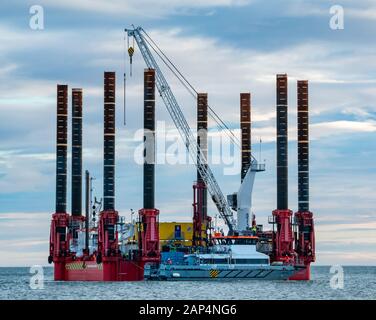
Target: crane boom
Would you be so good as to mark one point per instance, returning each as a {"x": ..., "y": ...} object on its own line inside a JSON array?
[{"x": 185, "y": 132}]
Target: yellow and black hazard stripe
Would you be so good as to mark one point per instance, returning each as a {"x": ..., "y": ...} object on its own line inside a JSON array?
[
  {"x": 214, "y": 273},
  {"x": 78, "y": 265}
]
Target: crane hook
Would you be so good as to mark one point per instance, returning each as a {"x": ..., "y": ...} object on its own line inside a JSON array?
[{"x": 130, "y": 52}]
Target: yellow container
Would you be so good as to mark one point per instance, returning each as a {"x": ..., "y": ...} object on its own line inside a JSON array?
[
  {"x": 176, "y": 232},
  {"x": 173, "y": 233}
]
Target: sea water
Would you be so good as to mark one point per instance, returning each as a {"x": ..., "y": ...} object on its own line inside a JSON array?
[{"x": 358, "y": 283}]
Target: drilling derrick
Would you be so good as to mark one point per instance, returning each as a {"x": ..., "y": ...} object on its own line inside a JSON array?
[
  {"x": 245, "y": 127},
  {"x": 76, "y": 218},
  {"x": 59, "y": 238},
  {"x": 246, "y": 155},
  {"x": 148, "y": 215},
  {"x": 108, "y": 248},
  {"x": 305, "y": 238},
  {"x": 200, "y": 196},
  {"x": 282, "y": 225}
]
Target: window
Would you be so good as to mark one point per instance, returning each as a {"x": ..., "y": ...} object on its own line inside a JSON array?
[
  {"x": 237, "y": 241},
  {"x": 214, "y": 261},
  {"x": 250, "y": 261},
  {"x": 234, "y": 261},
  {"x": 177, "y": 231}
]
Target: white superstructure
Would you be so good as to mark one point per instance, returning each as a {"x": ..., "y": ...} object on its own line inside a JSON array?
[{"x": 231, "y": 250}]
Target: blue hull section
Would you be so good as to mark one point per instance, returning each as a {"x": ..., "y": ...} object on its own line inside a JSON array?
[{"x": 217, "y": 272}]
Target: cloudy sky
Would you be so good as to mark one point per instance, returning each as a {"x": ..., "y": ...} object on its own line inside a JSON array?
[{"x": 223, "y": 47}]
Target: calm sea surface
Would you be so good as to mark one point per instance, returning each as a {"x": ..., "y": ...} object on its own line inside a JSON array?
[{"x": 359, "y": 283}]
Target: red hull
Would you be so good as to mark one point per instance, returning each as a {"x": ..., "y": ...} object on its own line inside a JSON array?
[
  {"x": 304, "y": 274},
  {"x": 83, "y": 271},
  {"x": 91, "y": 271}
]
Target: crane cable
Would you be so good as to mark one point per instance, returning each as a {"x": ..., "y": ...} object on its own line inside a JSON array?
[
  {"x": 124, "y": 81},
  {"x": 130, "y": 51},
  {"x": 212, "y": 113},
  {"x": 188, "y": 85}
]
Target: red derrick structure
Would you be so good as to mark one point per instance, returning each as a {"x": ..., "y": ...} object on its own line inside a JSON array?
[
  {"x": 201, "y": 220},
  {"x": 293, "y": 235},
  {"x": 148, "y": 215}
]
